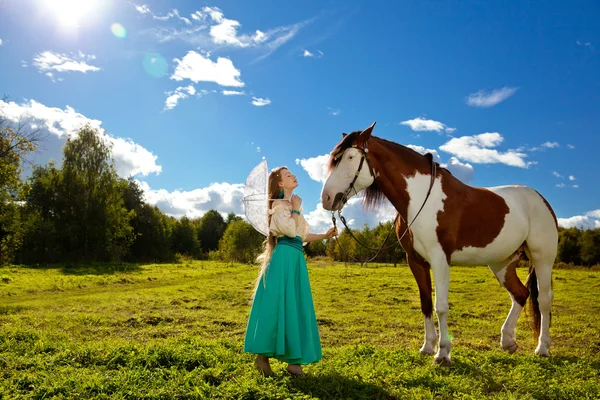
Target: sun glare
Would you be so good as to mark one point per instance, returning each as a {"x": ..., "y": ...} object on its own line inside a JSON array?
[{"x": 70, "y": 13}]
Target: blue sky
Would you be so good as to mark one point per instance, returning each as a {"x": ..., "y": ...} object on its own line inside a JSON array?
[{"x": 194, "y": 94}]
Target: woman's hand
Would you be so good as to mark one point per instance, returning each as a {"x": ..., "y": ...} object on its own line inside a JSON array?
[
  {"x": 331, "y": 233},
  {"x": 296, "y": 202}
]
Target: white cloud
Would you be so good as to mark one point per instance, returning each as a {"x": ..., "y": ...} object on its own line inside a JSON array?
[
  {"x": 423, "y": 150},
  {"x": 181, "y": 92},
  {"x": 575, "y": 186},
  {"x": 197, "y": 67},
  {"x": 556, "y": 174},
  {"x": 259, "y": 102},
  {"x": 590, "y": 220},
  {"x": 334, "y": 111},
  {"x": 130, "y": 158},
  {"x": 476, "y": 149},
  {"x": 223, "y": 197},
  {"x": 308, "y": 53},
  {"x": 489, "y": 99},
  {"x": 593, "y": 214},
  {"x": 225, "y": 30},
  {"x": 421, "y": 124},
  {"x": 316, "y": 167},
  {"x": 49, "y": 63},
  {"x": 209, "y": 28},
  {"x": 571, "y": 178},
  {"x": 586, "y": 44},
  {"x": 142, "y": 9},
  {"x": 550, "y": 145},
  {"x": 232, "y": 93},
  {"x": 462, "y": 171},
  {"x": 1, "y": 42},
  {"x": 561, "y": 185},
  {"x": 570, "y": 146}
]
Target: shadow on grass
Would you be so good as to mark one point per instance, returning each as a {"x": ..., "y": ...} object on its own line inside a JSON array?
[
  {"x": 90, "y": 268},
  {"x": 336, "y": 386},
  {"x": 100, "y": 269}
]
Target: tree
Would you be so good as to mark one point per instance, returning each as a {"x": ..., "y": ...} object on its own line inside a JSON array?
[
  {"x": 210, "y": 230},
  {"x": 241, "y": 242},
  {"x": 79, "y": 213},
  {"x": 185, "y": 238},
  {"x": 589, "y": 244},
  {"x": 15, "y": 145},
  {"x": 42, "y": 238},
  {"x": 316, "y": 249},
  {"x": 568, "y": 245},
  {"x": 232, "y": 217}
]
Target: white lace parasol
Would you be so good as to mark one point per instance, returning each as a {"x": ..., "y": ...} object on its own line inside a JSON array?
[{"x": 256, "y": 197}]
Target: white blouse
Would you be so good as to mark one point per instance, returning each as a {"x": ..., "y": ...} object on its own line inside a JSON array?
[{"x": 282, "y": 223}]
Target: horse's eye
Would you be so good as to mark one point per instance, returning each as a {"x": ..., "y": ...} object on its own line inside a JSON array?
[{"x": 349, "y": 157}]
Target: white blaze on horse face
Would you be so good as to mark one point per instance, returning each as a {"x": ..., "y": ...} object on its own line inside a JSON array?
[{"x": 342, "y": 176}]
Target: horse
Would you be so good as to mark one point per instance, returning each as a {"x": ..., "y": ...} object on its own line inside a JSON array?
[{"x": 452, "y": 222}]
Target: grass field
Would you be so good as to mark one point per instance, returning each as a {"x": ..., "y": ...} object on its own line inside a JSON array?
[{"x": 176, "y": 332}]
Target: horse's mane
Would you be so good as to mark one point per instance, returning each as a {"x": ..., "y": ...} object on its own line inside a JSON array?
[{"x": 374, "y": 196}]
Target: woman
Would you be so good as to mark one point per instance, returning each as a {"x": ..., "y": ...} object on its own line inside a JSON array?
[{"x": 282, "y": 322}]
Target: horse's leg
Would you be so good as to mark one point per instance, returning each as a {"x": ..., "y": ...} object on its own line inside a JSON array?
[
  {"x": 506, "y": 273},
  {"x": 541, "y": 250},
  {"x": 441, "y": 276},
  {"x": 542, "y": 272},
  {"x": 421, "y": 271}
]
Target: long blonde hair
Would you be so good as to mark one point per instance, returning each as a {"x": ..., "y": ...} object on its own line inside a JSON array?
[{"x": 271, "y": 241}]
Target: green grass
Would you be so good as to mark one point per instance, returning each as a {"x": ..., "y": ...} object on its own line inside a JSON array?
[{"x": 176, "y": 332}]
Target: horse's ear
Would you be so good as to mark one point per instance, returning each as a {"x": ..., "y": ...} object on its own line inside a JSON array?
[
  {"x": 364, "y": 135},
  {"x": 344, "y": 135}
]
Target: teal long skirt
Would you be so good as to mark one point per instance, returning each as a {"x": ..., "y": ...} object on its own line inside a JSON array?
[{"x": 282, "y": 322}]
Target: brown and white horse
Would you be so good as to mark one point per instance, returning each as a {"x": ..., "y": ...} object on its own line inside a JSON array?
[{"x": 456, "y": 223}]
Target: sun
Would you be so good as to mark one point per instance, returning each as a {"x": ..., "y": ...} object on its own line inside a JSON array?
[{"x": 70, "y": 13}]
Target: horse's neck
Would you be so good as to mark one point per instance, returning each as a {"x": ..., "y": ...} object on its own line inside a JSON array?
[{"x": 397, "y": 164}]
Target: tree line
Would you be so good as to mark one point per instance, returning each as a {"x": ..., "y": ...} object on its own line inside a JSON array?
[{"x": 84, "y": 212}]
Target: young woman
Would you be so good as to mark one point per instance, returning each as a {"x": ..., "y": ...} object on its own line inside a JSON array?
[{"x": 282, "y": 322}]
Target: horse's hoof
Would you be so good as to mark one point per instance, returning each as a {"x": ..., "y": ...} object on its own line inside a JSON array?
[
  {"x": 442, "y": 361},
  {"x": 511, "y": 348},
  {"x": 542, "y": 353},
  {"x": 427, "y": 351}
]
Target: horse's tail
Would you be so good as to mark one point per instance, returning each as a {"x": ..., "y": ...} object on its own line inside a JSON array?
[{"x": 534, "y": 307}]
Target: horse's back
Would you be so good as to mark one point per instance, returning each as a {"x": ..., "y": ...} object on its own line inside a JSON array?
[{"x": 542, "y": 234}]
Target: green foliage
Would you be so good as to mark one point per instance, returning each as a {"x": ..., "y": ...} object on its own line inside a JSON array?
[
  {"x": 589, "y": 243},
  {"x": 579, "y": 247},
  {"x": 94, "y": 219},
  {"x": 210, "y": 230},
  {"x": 241, "y": 242},
  {"x": 568, "y": 246},
  {"x": 374, "y": 238},
  {"x": 176, "y": 331},
  {"x": 78, "y": 213},
  {"x": 14, "y": 146},
  {"x": 185, "y": 238}
]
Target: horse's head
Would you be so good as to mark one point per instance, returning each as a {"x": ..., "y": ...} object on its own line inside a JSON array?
[{"x": 351, "y": 171}]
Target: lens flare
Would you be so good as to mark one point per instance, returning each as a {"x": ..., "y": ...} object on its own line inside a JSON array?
[
  {"x": 155, "y": 64},
  {"x": 118, "y": 30}
]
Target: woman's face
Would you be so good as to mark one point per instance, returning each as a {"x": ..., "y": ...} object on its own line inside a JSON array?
[{"x": 288, "y": 180}]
